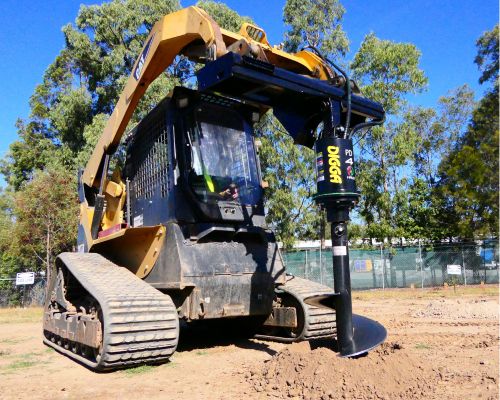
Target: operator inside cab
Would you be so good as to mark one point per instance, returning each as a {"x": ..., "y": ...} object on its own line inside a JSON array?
[{"x": 223, "y": 158}]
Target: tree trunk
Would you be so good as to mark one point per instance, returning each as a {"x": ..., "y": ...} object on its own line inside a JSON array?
[
  {"x": 382, "y": 167},
  {"x": 48, "y": 271}
]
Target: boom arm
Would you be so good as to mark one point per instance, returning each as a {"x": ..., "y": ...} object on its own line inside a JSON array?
[
  {"x": 167, "y": 39},
  {"x": 180, "y": 33}
]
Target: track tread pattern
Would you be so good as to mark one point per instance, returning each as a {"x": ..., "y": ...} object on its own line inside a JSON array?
[
  {"x": 140, "y": 325},
  {"x": 319, "y": 322}
]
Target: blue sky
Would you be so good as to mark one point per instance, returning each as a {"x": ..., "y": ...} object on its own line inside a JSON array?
[{"x": 444, "y": 30}]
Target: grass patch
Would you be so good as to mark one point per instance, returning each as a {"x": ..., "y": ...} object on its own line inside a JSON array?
[
  {"x": 10, "y": 341},
  {"x": 31, "y": 354},
  {"x": 139, "y": 370},
  {"x": 144, "y": 369},
  {"x": 422, "y": 346},
  {"x": 201, "y": 353},
  {"x": 20, "y": 364},
  {"x": 20, "y": 315}
]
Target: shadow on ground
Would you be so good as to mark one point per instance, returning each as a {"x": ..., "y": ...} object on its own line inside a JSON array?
[{"x": 208, "y": 334}]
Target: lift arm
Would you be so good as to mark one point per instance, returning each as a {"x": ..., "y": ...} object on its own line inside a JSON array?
[
  {"x": 192, "y": 32},
  {"x": 166, "y": 40}
]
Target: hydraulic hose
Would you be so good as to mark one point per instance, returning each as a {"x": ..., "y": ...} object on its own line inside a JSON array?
[
  {"x": 347, "y": 84},
  {"x": 368, "y": 124}
]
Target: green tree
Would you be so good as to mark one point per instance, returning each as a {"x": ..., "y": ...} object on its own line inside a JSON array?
[
  {"x": 387, "y": 72},
  {"x": 104, "y": 44},
  {"x": 436, "y": 132},
  {"x": 290, "y": 169},
  {"x": 487, "y": 56},
  {"x": 84, "y": 82},
  {"x": 7, "y": 221},
  {"x": 226, "y": 17},
  {"x": 46, "y": 212},
  {"x": 32, "y": 151},
  {"x": 468, "y": 186},
  {"x": 315, "y": 23}
]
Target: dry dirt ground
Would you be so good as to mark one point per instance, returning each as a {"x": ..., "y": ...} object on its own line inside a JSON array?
[{"x": 441, "y": 345}]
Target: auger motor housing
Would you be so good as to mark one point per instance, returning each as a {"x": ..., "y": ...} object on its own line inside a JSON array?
[{"x": 335, "y": 174}]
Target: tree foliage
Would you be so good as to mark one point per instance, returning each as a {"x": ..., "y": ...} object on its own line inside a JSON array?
[
  {"x": 468, "y": 186},
  {"x": 226, "y": 17},
  {"x": 46, "y": 212},
  {"x": 289, "y": 171},
  {"x": 487, "y": 56},
  {"x": 315, "y": 23},
  {"x": 387, "y": 72}
]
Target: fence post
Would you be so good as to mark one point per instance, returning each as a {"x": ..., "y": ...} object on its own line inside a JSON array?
[
  {"x": 305, "y": 268},
  {"x": 465, "y": 271},
  {"x": 382, "y": 261},
  {"x": 421, "y": 263},
  {"x": 484, "y": 261},
  {"x": 320, "y": 264}
]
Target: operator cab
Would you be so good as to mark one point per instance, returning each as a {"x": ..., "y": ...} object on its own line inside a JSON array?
[
  {"x": 223, "y": 164},
  {"x": 193, "y": 159}
]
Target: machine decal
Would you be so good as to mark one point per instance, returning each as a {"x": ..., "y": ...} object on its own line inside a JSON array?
[
  {"x": 339, "y": 250},
  {"x": 142, "y": 59},
  {"x": 350, "y": 172},
  {"x": 350, "y": 167},
  {"x": 320, "y": 172},
  {"x": 138, "y": 220},
  {"x": 334, "y": 164}
]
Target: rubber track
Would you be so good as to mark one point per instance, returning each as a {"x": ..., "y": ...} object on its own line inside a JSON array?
[
  {"x": 140, "y": 324},
  {"x": 319, "y": 322}
]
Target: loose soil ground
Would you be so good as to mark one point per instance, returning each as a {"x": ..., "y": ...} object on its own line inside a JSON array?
[{"x": 442, "y": 344}]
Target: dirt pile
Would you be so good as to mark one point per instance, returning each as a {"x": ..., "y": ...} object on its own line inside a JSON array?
[{"x": 387, "y": 372}]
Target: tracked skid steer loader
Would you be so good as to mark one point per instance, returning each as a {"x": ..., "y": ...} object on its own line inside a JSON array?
[{"x": 180, "y": 233}]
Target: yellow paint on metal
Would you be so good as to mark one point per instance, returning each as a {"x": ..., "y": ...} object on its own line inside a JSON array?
[
  {"x": 136, "y": 249},
  {"x": 115, "y": 196}
]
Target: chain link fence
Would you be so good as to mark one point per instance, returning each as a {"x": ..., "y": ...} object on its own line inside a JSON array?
[
  {"x": 12, "y": 295},
  {"x": 397, "y": 267},
  {"x": 401, "y": 267}
]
